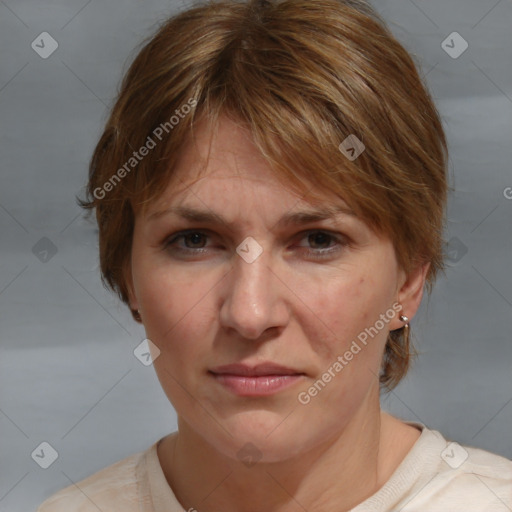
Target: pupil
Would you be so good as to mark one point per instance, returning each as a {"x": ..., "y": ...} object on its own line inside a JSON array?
[
  {"x": 320, "y": 238},
  {"x": 195, "y": 238}
]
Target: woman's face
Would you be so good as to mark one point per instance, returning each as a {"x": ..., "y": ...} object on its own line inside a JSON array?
[{"x": 253, "y": 281}]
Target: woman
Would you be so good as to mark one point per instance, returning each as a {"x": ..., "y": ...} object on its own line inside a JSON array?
[{"x": 270, "y": 191}]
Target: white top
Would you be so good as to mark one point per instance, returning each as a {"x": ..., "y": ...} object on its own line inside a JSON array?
[{"x": 435, "y": 476}]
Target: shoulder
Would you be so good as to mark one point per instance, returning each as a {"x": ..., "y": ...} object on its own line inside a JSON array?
[
  {"x": 488, "y": 471},
  {"x": 466, "y": 478},
  {"x": 114, "y": 486}
]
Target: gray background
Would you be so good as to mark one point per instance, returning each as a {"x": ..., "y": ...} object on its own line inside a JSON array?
[{"x": 68, "y": 375}]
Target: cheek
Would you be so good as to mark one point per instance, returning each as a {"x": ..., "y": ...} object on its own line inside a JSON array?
[
  {"x": 346, "y": 311},
  {"x": 342, "y": 304},
  {"x": 348, "y": 308},
  {"x": 178, "y": 320},
  {"x": 177, "y": 307}
]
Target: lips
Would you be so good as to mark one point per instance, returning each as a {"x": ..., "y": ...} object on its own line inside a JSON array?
[
  {"x": 254, "y": 371},
  {"x": 260, "y": 380}
]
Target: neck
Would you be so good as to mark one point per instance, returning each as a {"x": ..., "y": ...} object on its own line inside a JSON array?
[{"x": 336, "y": 476}]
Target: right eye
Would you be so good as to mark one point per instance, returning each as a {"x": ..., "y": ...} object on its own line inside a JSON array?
[{"x": 193, "y": 241}]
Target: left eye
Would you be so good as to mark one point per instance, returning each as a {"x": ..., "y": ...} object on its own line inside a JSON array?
[{"x": 320, "y": 238}]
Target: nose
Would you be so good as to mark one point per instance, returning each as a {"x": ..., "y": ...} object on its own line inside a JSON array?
[{"x": 254, "y": 298}]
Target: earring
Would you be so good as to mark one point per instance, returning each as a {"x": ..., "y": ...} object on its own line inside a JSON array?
[{"x": 405, "y": 319}]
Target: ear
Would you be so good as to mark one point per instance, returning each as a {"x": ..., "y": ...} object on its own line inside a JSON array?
[{"x": 410, "y": 292}]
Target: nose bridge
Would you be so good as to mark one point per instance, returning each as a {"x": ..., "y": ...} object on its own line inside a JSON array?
[
  {"x": 251, "y": 302},
  {"x": 253, "y": 275}
]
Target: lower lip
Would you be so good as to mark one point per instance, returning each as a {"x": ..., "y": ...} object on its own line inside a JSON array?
[{"x": 261, "y": 385}]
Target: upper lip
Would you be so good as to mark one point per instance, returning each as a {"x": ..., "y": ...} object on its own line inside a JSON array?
[{"x": 247, "y": 370}]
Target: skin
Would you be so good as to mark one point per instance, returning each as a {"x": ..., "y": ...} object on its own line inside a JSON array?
[{"x": 202, "y": 305}]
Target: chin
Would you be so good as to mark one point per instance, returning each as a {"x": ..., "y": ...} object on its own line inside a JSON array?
[{"x": 260, "y": 436}]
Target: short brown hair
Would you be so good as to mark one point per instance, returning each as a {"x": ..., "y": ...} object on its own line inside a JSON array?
[{"x": 302, "y": 75}]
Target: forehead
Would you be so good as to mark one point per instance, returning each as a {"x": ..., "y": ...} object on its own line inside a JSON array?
[
  {"x": 225, "y": 158},
  {"x": 223, "y": 150}
]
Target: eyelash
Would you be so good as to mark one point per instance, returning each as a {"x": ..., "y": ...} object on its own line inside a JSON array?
[{"x": 317, "y": 254}]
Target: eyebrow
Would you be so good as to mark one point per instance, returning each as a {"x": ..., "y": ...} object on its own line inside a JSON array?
[{"x": 292, "y": 218}]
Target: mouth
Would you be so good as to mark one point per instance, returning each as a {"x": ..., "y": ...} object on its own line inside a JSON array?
[{"x": 260, "y": 380}]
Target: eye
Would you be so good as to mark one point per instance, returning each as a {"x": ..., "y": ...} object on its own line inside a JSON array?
[
  {"x": 319, "y": 244},
  {"x": 193, "y": 241},
  {"x": 324, "y": 243}
]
